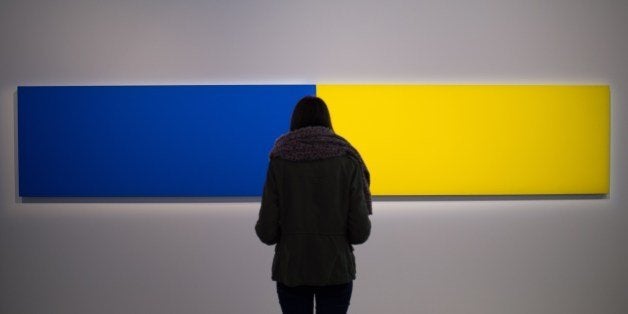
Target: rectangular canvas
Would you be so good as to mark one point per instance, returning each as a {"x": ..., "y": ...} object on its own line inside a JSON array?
[
  {"x": 202, "y": 140},
  {"x": 477, "y": 139}
]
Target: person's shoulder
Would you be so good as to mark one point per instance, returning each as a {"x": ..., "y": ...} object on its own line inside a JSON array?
[{"x": 347, "y": 162}]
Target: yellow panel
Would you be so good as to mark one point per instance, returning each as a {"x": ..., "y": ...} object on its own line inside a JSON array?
[{"x": 477, "y": 139}]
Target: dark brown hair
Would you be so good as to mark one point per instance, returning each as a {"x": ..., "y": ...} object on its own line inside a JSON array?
[{"x": 310, "y": 111}]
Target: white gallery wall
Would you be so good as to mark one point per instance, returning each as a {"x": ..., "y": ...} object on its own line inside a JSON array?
[{"x": 499, "y": 255}]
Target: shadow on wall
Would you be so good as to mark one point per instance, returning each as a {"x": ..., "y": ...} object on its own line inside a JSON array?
[{"x": 257, "y": 199}]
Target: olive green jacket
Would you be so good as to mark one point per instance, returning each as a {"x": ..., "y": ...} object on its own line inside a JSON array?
[{"x": 313, "y": 211}]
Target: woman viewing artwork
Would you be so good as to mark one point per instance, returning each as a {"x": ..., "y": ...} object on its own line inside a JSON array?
[{"x": 315, "y": 206}]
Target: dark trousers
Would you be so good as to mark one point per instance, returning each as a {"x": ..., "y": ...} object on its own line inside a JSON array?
[{"x": 332, "y": 299}]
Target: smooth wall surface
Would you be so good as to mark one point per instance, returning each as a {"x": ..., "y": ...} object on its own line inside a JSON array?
[{"x": 425, "y": 255}]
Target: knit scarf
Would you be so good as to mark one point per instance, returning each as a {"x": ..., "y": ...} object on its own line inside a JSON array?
[{"x": 318, "y": 142}]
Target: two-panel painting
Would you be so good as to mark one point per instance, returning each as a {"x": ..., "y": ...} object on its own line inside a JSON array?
[{"x": 214, "y": 140}]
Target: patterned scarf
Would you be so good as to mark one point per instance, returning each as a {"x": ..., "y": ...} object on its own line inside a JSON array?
[{"x": 318, "y": 142}]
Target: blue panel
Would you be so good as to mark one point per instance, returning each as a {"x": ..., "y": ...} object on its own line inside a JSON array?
[{"x": 210, "y": 140}]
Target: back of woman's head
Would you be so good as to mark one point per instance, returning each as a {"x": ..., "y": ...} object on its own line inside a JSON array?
[{"x": 310, "y": 111}]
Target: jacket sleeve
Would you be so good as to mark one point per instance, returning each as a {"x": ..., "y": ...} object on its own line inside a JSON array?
[
  {"x": 267, "y": 226},
  {"x": 359, "y": 225}
]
